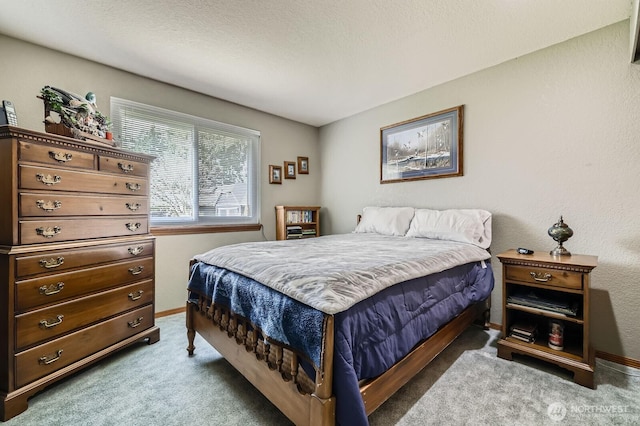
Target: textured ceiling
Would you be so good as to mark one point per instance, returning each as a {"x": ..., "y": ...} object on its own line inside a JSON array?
[{"x": 313, "y": 61}]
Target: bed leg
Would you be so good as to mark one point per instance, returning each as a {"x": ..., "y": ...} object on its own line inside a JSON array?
[
  {"x": 487, "y": 314},
  {"x": 191, "y": 332}
]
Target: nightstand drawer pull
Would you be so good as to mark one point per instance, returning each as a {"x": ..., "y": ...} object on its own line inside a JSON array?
[
  {"x": 541, "y": 277},
  {"x": 52, "y": 289},
  {"x": 136, "y": 295},
  {"x": 134, "y": 251},
  {"x": 48, "y": 232},
  {"x": 137, "y": 270},
  {"x": 52, "y": 263},
  {"x": 47, "y": 324},
  {"x": 136, "y": 322},
  {"x": 60, "y": 157},
  {"x": 133, "y": 206},
  {"x": 48, "y": 179},
  {"x": 127, "y": 168},
  {"x": 48, "y": 206},
  {"x": 45, "y": 360}
]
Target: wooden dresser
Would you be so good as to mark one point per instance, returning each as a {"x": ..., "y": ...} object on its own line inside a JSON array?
[{"x": 76, "y": 258}]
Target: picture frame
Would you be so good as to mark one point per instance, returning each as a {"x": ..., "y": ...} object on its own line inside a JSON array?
[
  {"x": 303, "y": 165},
  {"x": 289, "y": 170},
  {"x": 425, "y": 147},
  {"x": 275, "y": 174}
]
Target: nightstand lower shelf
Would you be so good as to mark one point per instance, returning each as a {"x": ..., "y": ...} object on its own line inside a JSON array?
[{"x": 583, "y": 373}]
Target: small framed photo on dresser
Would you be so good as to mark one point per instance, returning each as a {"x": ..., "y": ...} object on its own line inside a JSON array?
[
  {"x": 303, "y": 165},
  {"x": 289, "y": 170}
]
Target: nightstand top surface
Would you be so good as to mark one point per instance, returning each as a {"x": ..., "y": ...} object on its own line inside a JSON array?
[{"x": 583, "y": 260}]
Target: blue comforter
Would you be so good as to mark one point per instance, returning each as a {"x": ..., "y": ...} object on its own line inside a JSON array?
[{"x": 369, "y": 337}]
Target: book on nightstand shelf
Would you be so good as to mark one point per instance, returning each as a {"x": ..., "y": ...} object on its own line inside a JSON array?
[{"x": 524, "y": 331}]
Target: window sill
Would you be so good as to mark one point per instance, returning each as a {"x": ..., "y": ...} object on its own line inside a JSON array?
[{"x": 202, "y": 229}]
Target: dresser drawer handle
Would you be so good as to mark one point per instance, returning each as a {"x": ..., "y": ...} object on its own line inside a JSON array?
[
  {"x": 133, "y": 226},
  {"x": 134, "y": 251},
  {"x": 48, "y": 232},
  {"x": 127, "y": 168},
  {"x": 48, "y": 179},
  {"x": 51, "y": 263},
  {"x": 540, "y": 276},
  {"x": 45, "y": 360},
  {"x": 60, "y": 157},
  {"x": 136, "y": 295},
  {"x": 52, "y": 289},
  {"x": 133, "y": 206},
  {"x": 133, "y": 186},
  {"x": 136, "y": 270},
  {"x": 136, "y": 322},
  {"x": 47, "y": 324},
  {"x": 48, "y": 206}
]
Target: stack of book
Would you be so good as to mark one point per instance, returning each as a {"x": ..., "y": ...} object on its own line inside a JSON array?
[
  {"x": 524, "y": 331},
  {"x": 309, "y": 232},
  {"x": 294, "y": 231},
  {"x": 532, "y": 300}
]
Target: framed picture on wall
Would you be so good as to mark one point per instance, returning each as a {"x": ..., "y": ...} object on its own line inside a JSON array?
[
  {"x": 289, "y": 170},
  {"x": 303, "y": 165},
  {"x": 426, "y": 147},
  {"x": 275, "y": 174}
]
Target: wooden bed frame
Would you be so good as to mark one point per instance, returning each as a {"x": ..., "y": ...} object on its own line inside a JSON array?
[{"x": 274, "y": 370}]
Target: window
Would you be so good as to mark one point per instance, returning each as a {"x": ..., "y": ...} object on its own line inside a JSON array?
[{"x": 205, "y": 172}]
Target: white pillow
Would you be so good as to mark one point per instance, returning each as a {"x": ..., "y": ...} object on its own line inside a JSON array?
[
  {"x": 385, "y": 220},
  {"x": 464, "y": 225}
]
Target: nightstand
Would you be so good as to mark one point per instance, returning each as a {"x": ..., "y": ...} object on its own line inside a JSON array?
[{"x": 541, "y": 292}]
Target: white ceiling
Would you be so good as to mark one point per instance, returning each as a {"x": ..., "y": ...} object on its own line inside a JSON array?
[{"x": 313, "y": 61}]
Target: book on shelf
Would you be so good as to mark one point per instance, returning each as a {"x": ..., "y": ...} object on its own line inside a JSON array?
[
  {"x": 524, "y": 331},
  {"x": 299, "y": 216},
  {"x": 532, "y": 300}
]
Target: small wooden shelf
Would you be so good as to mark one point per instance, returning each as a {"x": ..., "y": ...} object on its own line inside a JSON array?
[
  {"x": 556, "y": 279},
  {"x": 297, "y": 222}
]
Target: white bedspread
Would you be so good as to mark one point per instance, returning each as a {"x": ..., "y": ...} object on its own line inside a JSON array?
[{"x": 334, "y": 272}]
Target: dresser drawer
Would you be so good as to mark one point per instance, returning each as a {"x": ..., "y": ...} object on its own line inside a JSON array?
[
  {"x": 55, "y": 288},
  {"x": 56, "y": 155},
  {"x": 544, "y": 276},
  {"x": 53, "y": 230},
  {"x": 48, "y": 323},
  {"x": 53, "y": 179},
  {"x": 41, "y": 360},
  {"x": 122, "y": 166},
  {"x": 56, "y": 204},
  {"x": 56, "y": 261}
]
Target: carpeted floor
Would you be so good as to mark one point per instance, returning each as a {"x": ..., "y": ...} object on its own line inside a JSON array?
[{"x": 467, "y": 384}]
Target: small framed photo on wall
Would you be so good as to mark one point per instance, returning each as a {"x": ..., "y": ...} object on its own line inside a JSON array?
[
  {"x": 303, "y": 165},
  {"x": 275, "y": 174},
  {"x": 289, "y": 170}
]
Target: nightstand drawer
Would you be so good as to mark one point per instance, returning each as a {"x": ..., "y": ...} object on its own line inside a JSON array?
[{"x": 544, "y": 276}]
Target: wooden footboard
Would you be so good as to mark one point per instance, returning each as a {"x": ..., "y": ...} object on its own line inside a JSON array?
[{"x": 274, "y": 370}]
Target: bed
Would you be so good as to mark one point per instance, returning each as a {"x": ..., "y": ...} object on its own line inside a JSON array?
[{"x": 328, "y": 328}]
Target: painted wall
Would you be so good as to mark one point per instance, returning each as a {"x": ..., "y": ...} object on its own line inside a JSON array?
[
  {"x": 551, "y": 133},
  {"x": 28, "y": 68}
]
